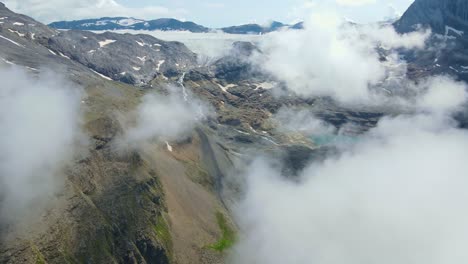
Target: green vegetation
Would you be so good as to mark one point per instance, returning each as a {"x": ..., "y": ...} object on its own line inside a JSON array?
[
  {"x": 162, "y": 232},
  {"x": 39, "y": 257},
  {"x": 228, "y": 237}
]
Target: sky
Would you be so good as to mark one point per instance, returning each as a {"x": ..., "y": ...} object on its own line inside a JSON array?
[{"x": 210, "y": 13}]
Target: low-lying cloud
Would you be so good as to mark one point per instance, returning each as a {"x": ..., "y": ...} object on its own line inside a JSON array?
[
  {"x": 40, "y": 123},
  {"x": 301, "y": 120},
  {"x": 397, "y": 196},
  {"x": 334, "y": 58},
  {"x": 165, "y": 118}
]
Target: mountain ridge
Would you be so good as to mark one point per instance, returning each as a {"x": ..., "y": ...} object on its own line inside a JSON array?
[{"x": 165, "y": 24}]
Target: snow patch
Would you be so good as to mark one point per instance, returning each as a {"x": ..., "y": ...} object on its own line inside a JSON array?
[
  {"x": 265, "y": 85},
  {"x": 129, "y": 21},
  {"x": 160, "y": 63},
  {"x": 136, "y": 68},
  {"x": 169, "y": 147},
  {"x": 52, "y": 52},
  {"x": 142, "y": 59},
  {"x": 11, "y": 41},
  {"x": 18, "y": 24},
  {"x": 225, "y": 88},
  {"x": 17, "y": 32},
  {"x": 8, "y": 62},
  {"x": 102, "y": 75},
  {"x": 141, "y": 43},
  {"x": 106, "y": 42},
  {"x": 63, "y": 55}
]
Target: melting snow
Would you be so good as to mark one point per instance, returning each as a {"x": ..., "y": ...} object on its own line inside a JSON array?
[
  {"x": 225, "y": 88},
  {"x": 16, "y": 32},
  {"x": 102, "y": 75},
  {"x": 11, "y": 41},
  {"x": 265, "y": 85},
  {"x": 91, "y": 51},
  {"x": 8, "y": 62},
  {"x": 31, "y": 68},
  {"x": 136, "y": 68},
  {"x": 18, "y": 24},
  {"x": 169, "y": 147},
  {"x": 161, "y": 62},
  {"x": 2, "y": 18},
  {"x": 123, "y": 73},
  {"x": 140, "y": 43},
  {"x": 63, "y": 55},
  {"x": 106, "y": 42},
  {"x": 181, "y": 83},
  {"x": 143, "y": 59},
  {"x": 129, "y": 21},
  {"x": 52, "y": 52}
]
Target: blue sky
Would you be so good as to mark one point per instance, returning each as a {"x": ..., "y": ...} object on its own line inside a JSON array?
[{"x": 211, "y": 13}]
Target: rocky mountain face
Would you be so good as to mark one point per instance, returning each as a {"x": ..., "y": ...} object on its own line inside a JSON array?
[
  {"x": 164, "y": 24},
  {"x": 448, "y": 21},
  {"x": 440, "y": 15}
]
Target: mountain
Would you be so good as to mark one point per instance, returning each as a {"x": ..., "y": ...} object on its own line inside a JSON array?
[
  {"x": 164, "y": 203},
  {"x": 115, "y": 23},
  {"x": 448, "y": 20},
  {"x": 256, "y": 28},
  {"x": 440, "y": 15},
  {"x": 164, "y": 24}
]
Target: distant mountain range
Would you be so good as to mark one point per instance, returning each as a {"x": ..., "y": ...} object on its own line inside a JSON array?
[{"x": 165, "y": 24}]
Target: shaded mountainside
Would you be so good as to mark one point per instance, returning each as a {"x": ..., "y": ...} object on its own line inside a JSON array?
[
  {"x": 440, "y": 15},
  {"x": 448, "y": 20}
]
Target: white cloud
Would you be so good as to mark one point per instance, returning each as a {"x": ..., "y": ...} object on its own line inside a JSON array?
[
  {"x": 332, "y": 58},
  {"x": 40, "y": 122},
  {"x": 165, "y": 118},
  {"x": 398, "y": 196},
  {"x": 46, "y": 11},
  {"x": 302, "y": 121}
]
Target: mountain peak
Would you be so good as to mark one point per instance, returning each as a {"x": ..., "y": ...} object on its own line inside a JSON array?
[{"x": 436, "y": 14}]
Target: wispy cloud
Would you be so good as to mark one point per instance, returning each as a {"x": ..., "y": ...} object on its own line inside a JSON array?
[{"x": 40, "y": 120}]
